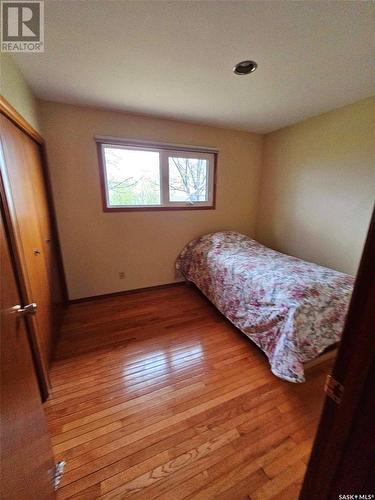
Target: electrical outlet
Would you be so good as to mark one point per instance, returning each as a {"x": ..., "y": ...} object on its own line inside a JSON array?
[{"x": 121, "y": 275}]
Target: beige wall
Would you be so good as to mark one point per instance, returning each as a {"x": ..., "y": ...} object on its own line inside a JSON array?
[
  {"x": 97, "y": 245},
  {"x": 318, "y": 186},
  {"x": 16, "y": 91}
]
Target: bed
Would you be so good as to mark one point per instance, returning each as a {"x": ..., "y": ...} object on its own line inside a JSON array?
[{"x": 292, "y": 309}]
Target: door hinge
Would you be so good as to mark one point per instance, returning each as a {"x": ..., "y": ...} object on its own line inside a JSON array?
[
  {"x": 334, "y": 389},
  {"x": 58, "y": 473}
]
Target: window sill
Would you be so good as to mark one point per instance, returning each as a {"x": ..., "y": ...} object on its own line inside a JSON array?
[{"x": 156, "y": 209}]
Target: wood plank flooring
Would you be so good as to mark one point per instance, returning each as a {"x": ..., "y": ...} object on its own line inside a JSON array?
[{"x": 156, "y": 395}]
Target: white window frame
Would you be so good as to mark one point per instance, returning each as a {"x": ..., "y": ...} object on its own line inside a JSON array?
[{"x": 165, "y": 152}]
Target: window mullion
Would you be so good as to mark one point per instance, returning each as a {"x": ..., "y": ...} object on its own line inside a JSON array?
[{"x": 164, "y": 177}]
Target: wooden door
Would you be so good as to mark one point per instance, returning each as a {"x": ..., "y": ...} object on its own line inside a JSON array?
[
  {"x": 32, "y": 153},
  {"x": 25, "y": 198},
  {"x": 342, "y": 459},
  {"x": 27, "y": 465}
]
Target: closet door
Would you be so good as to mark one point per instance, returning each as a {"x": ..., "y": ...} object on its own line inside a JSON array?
[
  {"x": 32, "y": 154},
  {"x": 25, "y": 196}
]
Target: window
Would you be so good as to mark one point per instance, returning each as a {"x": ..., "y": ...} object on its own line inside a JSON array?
[{"x": 139, "y": 176}]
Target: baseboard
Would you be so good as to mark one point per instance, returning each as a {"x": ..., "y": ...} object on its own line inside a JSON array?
[{"x": 126, "y": 292}]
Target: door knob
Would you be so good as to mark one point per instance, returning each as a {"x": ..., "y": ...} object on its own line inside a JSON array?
[
  {"x": 36, "y": 251},
  {"x": 30, "y": 309}
]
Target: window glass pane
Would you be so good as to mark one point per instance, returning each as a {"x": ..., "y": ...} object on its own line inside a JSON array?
[
  {"x": 188, "y": 179},
  {"x": 133, "y": 176}
]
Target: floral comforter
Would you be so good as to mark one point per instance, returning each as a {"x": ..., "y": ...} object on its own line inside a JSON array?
[{"x": 292, "y": 309}]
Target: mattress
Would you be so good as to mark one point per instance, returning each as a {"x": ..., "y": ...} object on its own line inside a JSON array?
[{"x": 292, "y": 309}]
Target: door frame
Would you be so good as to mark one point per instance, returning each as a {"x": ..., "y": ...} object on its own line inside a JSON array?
[
  {"x": 353, "y": 369},
  {"x": 5, "y": 199}
]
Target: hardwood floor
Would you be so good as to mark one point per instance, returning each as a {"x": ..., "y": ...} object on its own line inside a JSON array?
[{"x": 155, "y": 394}]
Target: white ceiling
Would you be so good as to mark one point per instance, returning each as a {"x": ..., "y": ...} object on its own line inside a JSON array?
[{"x": 174, "y": 59}]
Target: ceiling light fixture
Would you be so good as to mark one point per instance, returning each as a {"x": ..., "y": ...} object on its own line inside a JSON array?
[{"x": 245, "y": 67}]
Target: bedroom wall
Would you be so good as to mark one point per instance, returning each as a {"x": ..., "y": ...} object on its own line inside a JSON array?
[
  {"x": 16, "y": 91},
  {"x": 318, "y": 185},
  {"x": 96, "y": 246}
]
